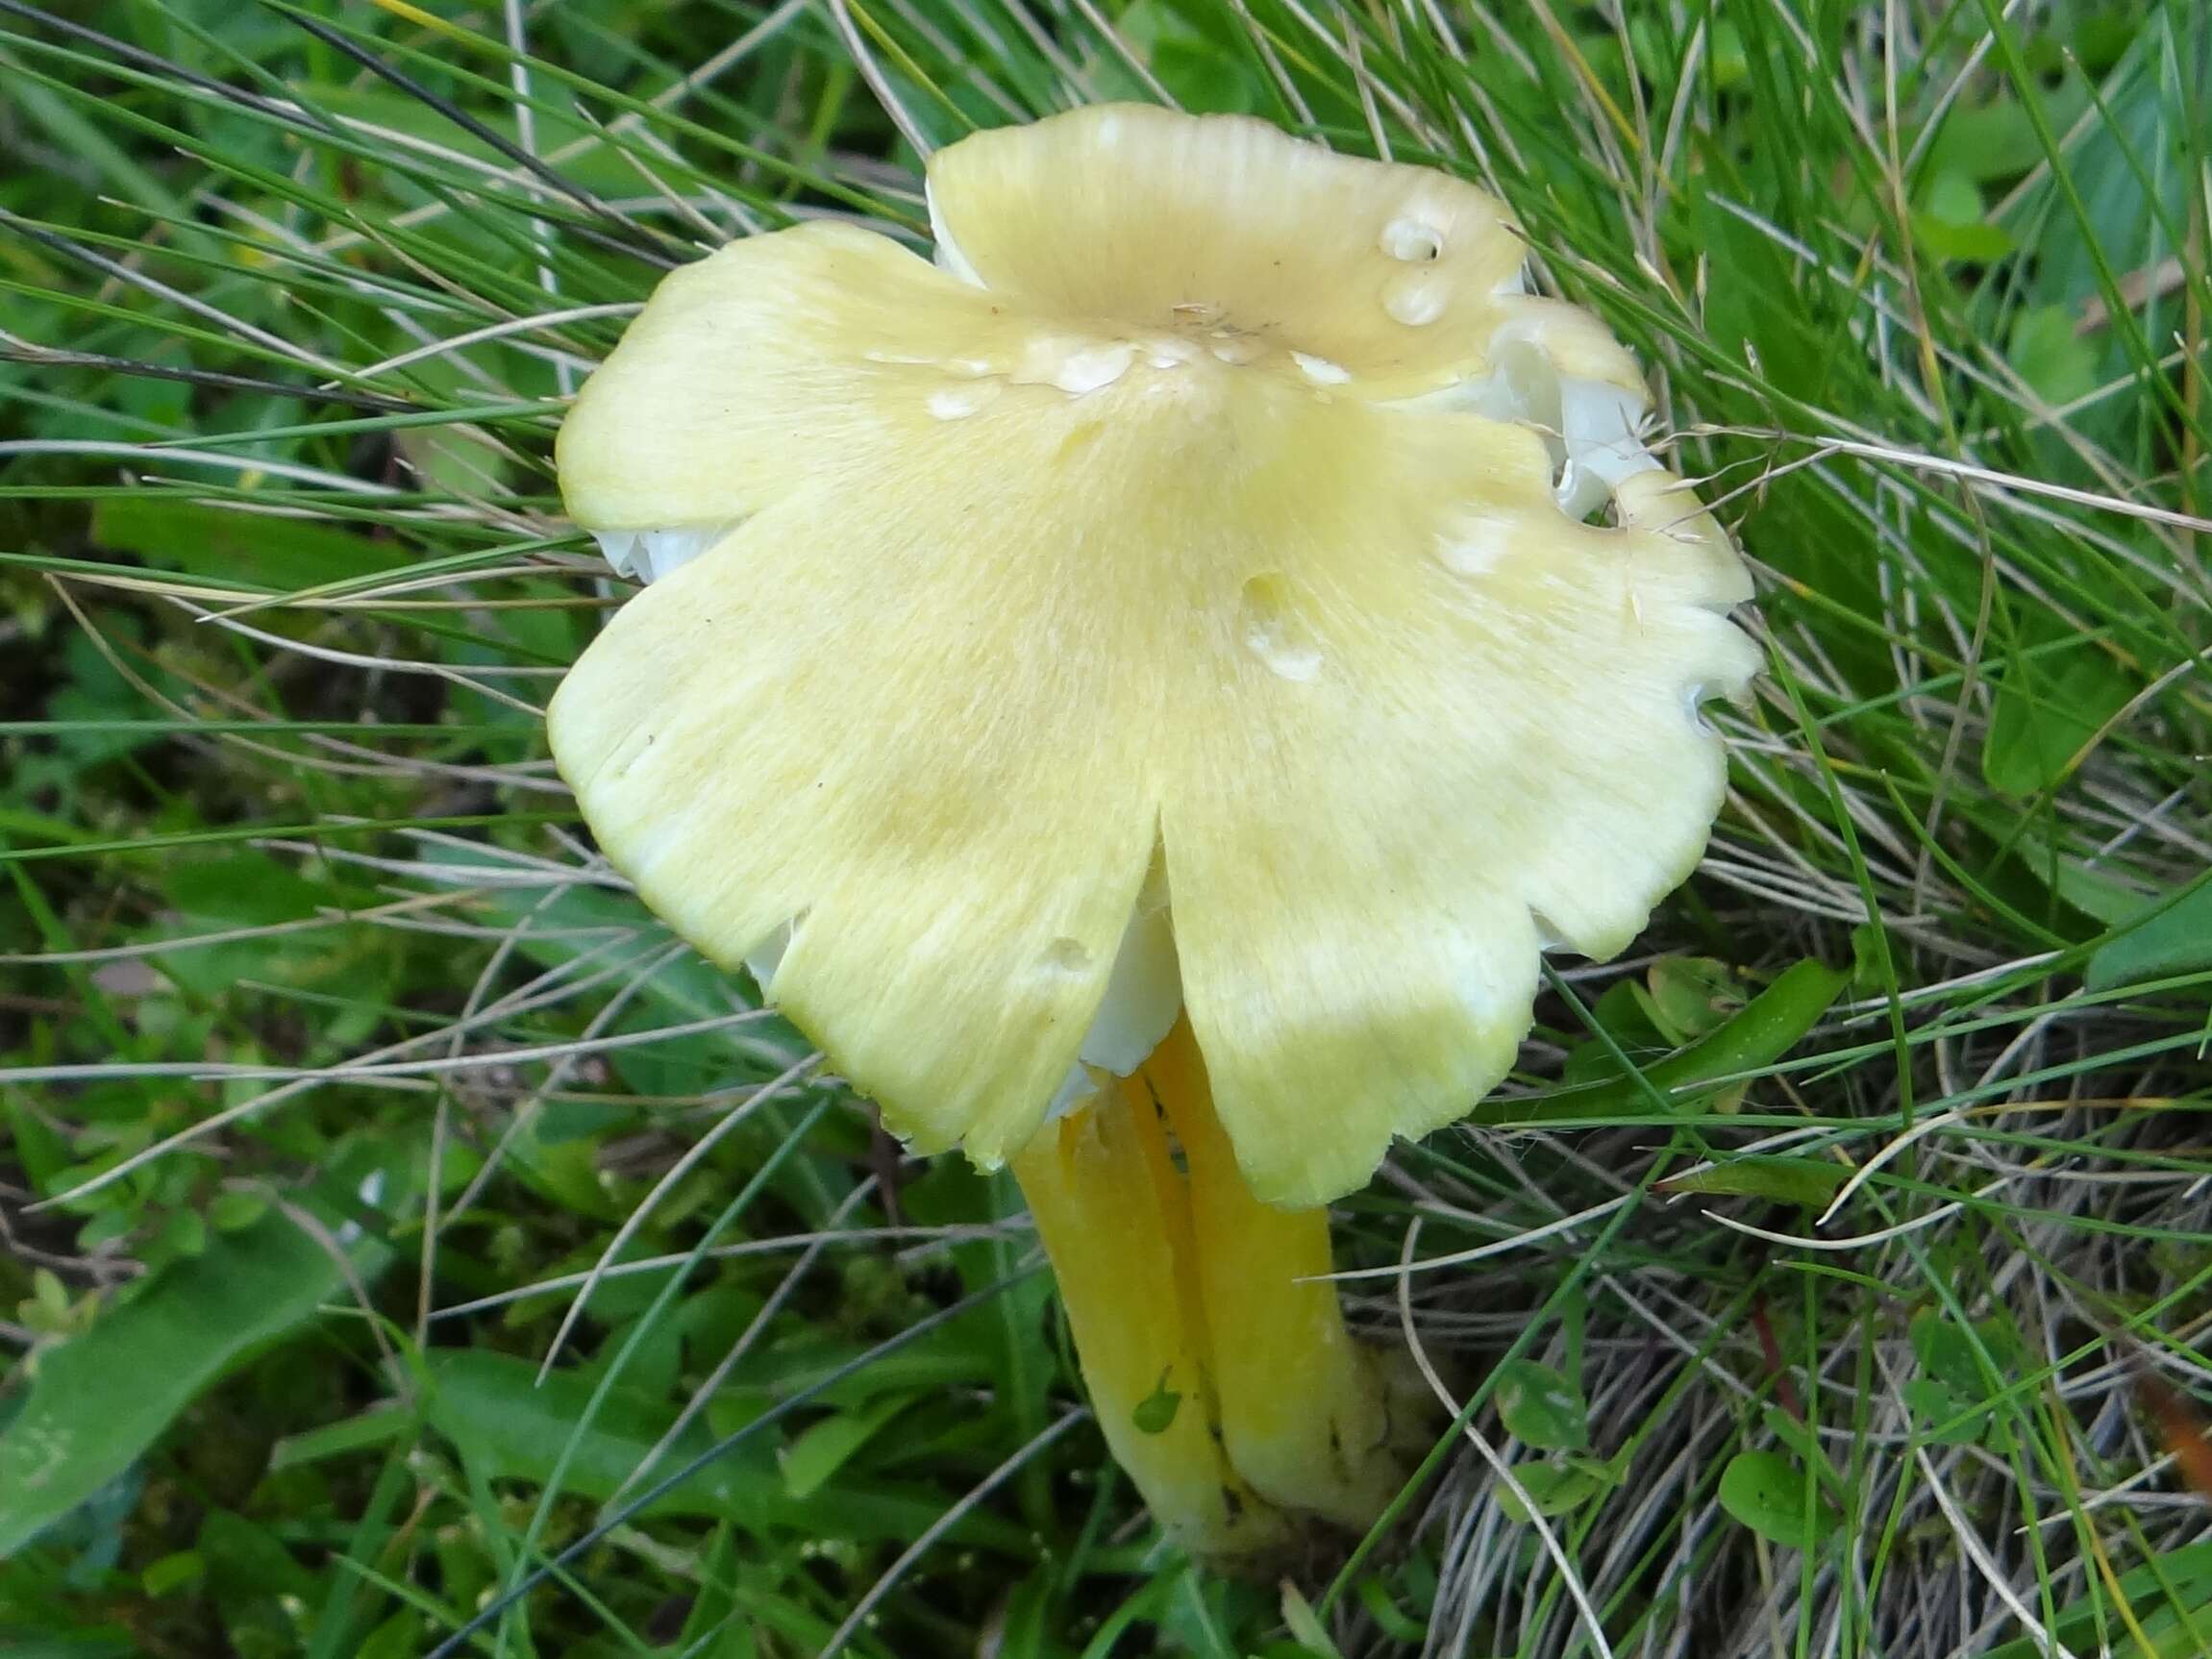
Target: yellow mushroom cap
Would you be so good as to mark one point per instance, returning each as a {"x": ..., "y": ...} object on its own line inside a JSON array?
[{"x": 1214, "y": 515}]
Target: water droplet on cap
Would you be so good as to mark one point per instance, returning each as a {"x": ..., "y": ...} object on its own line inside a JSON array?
[
  {"x": 1065, "y": 956},
  {"x": 1320, "y": 370},
  {"x": 1274, "y": 634},
  {"x": 1414, "y": 299},
  {"x": 1093, "y": 368},
  {"x": 1411, "y": 240},
  {"x": 1475, "y": 545},
  {"x": 957, "y": 402}
]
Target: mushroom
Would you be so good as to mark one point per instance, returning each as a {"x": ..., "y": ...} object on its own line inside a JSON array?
[{"x": 1153, "y": 683}]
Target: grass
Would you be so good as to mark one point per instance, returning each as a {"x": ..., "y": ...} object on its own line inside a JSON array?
[{"x": 1862, "y": 1221}]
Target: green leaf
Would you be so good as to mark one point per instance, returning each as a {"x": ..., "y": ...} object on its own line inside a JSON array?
[
  {"x": 2045, "y": 712},
  {"x": 1552, "y": 1488},
  {"x": 399, "y": 1637},
  {"x": 1808, "y": 1182},
  {"x": 378, "y": 1427},
  {"x": 234, "y": 1210},
  {"x": 1775, "y": 1498},
  {"x": 1952, "y": 198},
  {"x": 2051, "y": 356},
  {"x": 715, "y": 1608},
  {"x": 1541, "y": 1408},
  {"x": 2101, "y": 35},
  {"x": 1624, "y": 1013},
  {"x": 2095, "y": 888},
  {"x": 1937, "y": 1403},
  {"x": 1798, "y": 1441},
  {"x": 1204, "y": 66},
  {"x": 1389, "y": 1617},
  {"x": 2172, "y": 941},
  {"x": 76, "y": 1645},
  {"x": 1978, "y": 244},
  {"x": 512, "y": 1427},
  {"x": 1155, "y": 1413},
  {"x": 1995, "y": 141},
  {"x": 48, "y": 1291},
  {"x": 246, "y": 550},
  {"x": 172, "y": 1573},
  {"x": 828, "y": 1446},
  {"x": 97, "y": 1402},
  {"x": 1692, "y": 997},
  {"x": 246, "y": 1561},
  {"x": 1946, "y": 1352},
  {"x": 2172, "y": 1599},
  {"x": 1767, "y": 1028},
  {"x": 1869, "y": 975},
  {"x": 1305, "y": 1626},
  {"x": 1950, "y": 223}
]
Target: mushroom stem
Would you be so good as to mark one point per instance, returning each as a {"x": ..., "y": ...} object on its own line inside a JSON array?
[{"x": 1230, "y": 1391}]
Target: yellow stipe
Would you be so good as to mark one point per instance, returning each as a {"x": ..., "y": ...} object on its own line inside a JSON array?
[
  {"x": 1178, "y": 1278},
  {"x": 1171, "y": 1201},
  {"x": 1109, "y": 1209},
  {"x": 1302, "y": 1407}
]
